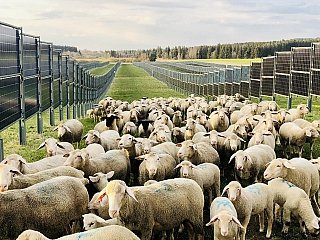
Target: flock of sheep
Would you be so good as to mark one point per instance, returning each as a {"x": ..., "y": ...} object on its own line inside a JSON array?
[{"x": 153, "y": 166}]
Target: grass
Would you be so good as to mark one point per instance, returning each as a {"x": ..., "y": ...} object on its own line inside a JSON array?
[
  {"x": 132, "y": 83},
  {"x": 101, "y": 70}
]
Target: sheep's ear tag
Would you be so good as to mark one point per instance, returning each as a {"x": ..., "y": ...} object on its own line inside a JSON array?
[{"x": 130, "y": 193}]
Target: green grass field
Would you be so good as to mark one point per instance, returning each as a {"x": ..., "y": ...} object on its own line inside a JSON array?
[
  {"x": 132, "y": 83},
  {"x": 101, "y": 70}
]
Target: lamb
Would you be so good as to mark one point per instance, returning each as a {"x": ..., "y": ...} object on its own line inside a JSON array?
[
  {"x": 156, "y": 167},
  {"x": 299, "y": 205},
  {"x": 314, "y": 133},
  {"x": 112, "y": 232},
  {"x": 250, "y": 163},
  {"x": 116, "y": 160},
  {"x": 53, "y": 147},
  {"x": 262, "y": 137},
  {"x": 300, "y": 172},
  {"x": 24, "y": 167},
  {"x": 11, "y": 178},
  {"x": 207, "y": 175},
  {"x": 130, "y": 128},
  {"x": 219, "y": 120},
  {"x": 165, "y": 204},
  {"x": 198, "y": 152},
  {"x": 254, "y": 199},
  {"x": 100, "y": 179},
  {"x": 33, "y": 209},
  {"x": 224, "y": 218},
  {"x": 192, "y": 127},
  {"x": 296, "y": 113},
  {"x": 291, "y": 135},
  {"x": 92, "y": 221},
  {"x": 108, "y": 138},
  {"x": 70, "y": 131}
]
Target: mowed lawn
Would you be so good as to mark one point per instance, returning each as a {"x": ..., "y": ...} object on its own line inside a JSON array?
[
  {"x": 101, "y": 70},
  {"x": 133, "y": 83}
]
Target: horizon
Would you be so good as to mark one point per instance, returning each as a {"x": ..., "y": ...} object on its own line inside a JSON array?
[{"x": 141, "y": 24}]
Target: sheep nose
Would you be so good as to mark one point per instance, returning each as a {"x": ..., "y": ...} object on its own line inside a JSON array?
[
  {"x": 3, "y": 188},
  {"x": 121, "y": 145},
  {"x": 185, "y": 174},
  {"x": 224, "y": 233},
  {"x": 87, "y": 142},
  {"x": 240, "y": 168}
]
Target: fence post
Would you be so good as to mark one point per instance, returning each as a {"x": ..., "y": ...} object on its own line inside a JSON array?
[
  {"x": 39, "y": 113},
  {"x": 1, "y": 150},
  {"x": 60, "y": 85},
  {"x": 289, "y": 105},
  {"x": 22, "y": 121},
  {"x": 68, "y": 87},
  {"x": 74, "y": 111},
  {"x": 52, "y": 122}
]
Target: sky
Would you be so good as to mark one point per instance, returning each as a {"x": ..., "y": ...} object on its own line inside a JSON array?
[{"x": 142, "y": 24}]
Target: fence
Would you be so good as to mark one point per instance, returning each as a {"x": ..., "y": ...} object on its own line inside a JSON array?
[
  {"x": 292, "y": 73},
  {"x": 34, "y": 78}
]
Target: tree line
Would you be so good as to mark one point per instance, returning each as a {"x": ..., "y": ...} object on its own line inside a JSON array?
[{"x": 232, "y": 50}]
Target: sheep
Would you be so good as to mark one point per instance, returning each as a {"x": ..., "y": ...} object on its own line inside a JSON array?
[
  {"x": 262, "y": 137},
  {"x": 164, "y": 148},
  {"x": 291, "y": 135},
  {"x": 113, "y": 232},
  {"x": 198, "y": 152},
  {"x": 101, "y": 126},
  {"x": 99, "y": 208},
  {"x": 149, "y": 182},
  {"x": 27, "y": 168},
  {"x": 239, "y": 129},
  {"x": 192, "y": 127},
  {"x": 251, "y": 200},
  {"x": 100, "y": 179},
  {"x": 161, "y": 134},
  {"x": 108, "y": 138},
  {"x": 92, "y": 221},
  {"x": 163, "y": 119},
  {"x": 93, "y": 150},
  {"x": 131, "y": 115},
  {"x": 177, "y": 119},
  {"x": 145, "y": 128},
  {"x": 116, "y": 160},
  {"x": 267, "y": 105},
  {"x": 300, "y": 172},
  {"x": 202, "y": 137},
  {"x": 250, "y": 109},
  {"x": 53, "y": 147},
  {"x": 156, "y": 167},
  {"x": 299, "y": 205},
  {"x": 11, "y": 178},
  {"x": 130, "y": 128},
  {"x": 296, "y": 113},
  {"x": 219, "y": 120},
  {"x": 250, "y": 163},
  {"x": 314, "y": 134},
  {"x": 48, "y": 206},
  {"x": 110, "y": 122},
  {"x": 178, "y": 134},
  {"x": 207, "y": 175},
  {"x": 165, "y": 204},
  {"x": 70, "y": 131},
  {"x": 224, "y": 218},
  {"x": 236, "y": 115},
  {"x": 235, "y": 106}
]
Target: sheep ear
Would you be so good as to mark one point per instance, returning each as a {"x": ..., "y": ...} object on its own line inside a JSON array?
[
  {"x": 22, "y": 160},
  {"x": 226, "y": 188},
  {"x": 193, "y": 166},
  {"x": 241, "y": 139},
  {"x": 15, "y": 172},
  {"x": 56, "y": 128},
  {"x": 94, "y": 179},
  {"x": 206, "y": 134},
  {"x": 287, "y": 164},
  {"x": 130, "y": 193},
  {"x": 96, "y": 134},
  {"x": 67, "y": 128},
  {"x": 141, "y": 157},
  {"x": 42, "y": 145},
  {"x": 247, "y": 157},
  {"x": 178, "y": 166},
  {"x": 101, "y": 196},
  {"x": 60, "y": 146},
  {"x": 134, "y": 140},
  {"x": 194, "y": 146},
  {"x": 212, "y": 220},
  {"x": 232, "y": 157},
  {"x": 110, "y": 174},
  {"x": 237, "y": 222},
  {"x": 221, "y": 135},
  {"x": 85, "y": 136},
  {"x": 267, "y": 133}
]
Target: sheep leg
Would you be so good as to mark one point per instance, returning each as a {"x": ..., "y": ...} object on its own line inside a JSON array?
[
  {"x": 245, "y": 225},
  {"x": 190, "y": 230},
  {"x": 210, "y": 195},
  {"x": 315, "y": 205},
  {"x": 286, "y": 220},
  {"x": 311, "y": 149},
  {"x": 302, "y": 226},
  {"x": 277, "y": 213},
  {"x": 261, "y": 221},
  {"x": 270, "y": 219},
  {"x": 146, "y": 234},
  {"x": 300, "y": 151}
]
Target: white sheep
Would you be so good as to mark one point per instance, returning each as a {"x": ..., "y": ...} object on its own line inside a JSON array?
[
  {"x": 93, "y": 150},
  {"x": 70, "y": 131},
  {"x": 291, "y": 135},
  {"x": 299, "y": 205},
  {"x": 254, "y": 199},
  {"x": 100, "y": 180},
  {"x": 112, "y": 232},
  {"x": 168, "y": 203},
  {"x": 207, "y": 175},
  {"x": 251, "y": 109},
  {"x": 130, "y": 128},
  {"x": 53, "y": 147},
  {"x": 92, "y": 221},
  {"x": 219, "y": 120},
  {"x": 26, "y": 168},
  {"x": 192, "y": 127},
  {"x": 250, "y": 163},
  {"x": 177, "y": 119},
  {"x": 262, "y": 137},
  {"x": 224, "y": 218},
  {"x": 198, "y": 152},
  {"x": 108, "y": 138},
  {"x": 300, "y": 172},
  {"x": 161, "y": 134},
  {"x": 295, "y": 113}
]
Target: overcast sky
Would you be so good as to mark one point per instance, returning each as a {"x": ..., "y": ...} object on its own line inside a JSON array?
[{"x": 141, "y": 24}]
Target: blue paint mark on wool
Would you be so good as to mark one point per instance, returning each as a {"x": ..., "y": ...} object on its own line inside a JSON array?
[{"x": 254, "y": 189}]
